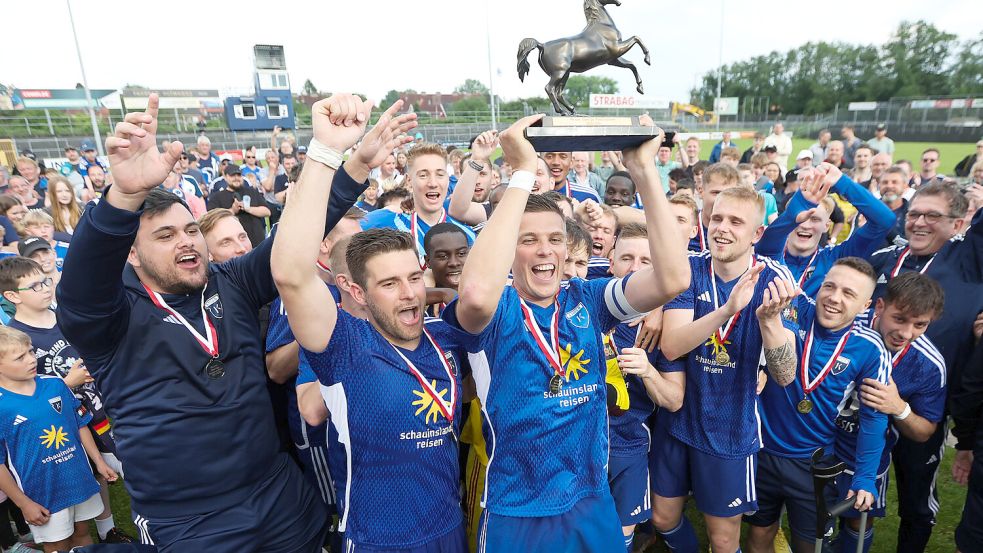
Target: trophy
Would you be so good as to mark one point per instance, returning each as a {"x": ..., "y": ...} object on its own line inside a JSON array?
[{"x": 600, "y": 43}]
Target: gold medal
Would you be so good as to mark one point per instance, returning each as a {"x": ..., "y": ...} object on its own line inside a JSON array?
[
  {"x": 723, "y": 358},
  {"x": 804, "y": 406}
]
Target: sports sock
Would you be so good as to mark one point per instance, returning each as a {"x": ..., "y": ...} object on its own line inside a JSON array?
[
  {"x": 848, "y": 539},
  {"x": 682, "y": 538},
  {"x": 104, "y": 526},
  {"x": 628, "y": 541}
]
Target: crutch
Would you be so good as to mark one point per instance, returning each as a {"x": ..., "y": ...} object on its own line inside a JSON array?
[{"x": 821, "y": 477}]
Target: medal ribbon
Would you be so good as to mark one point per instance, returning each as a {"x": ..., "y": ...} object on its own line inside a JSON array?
[
  {"x": 420, "y": 252},
  {"x": 903, "y": 257},
  {"x": 550, "y": 349},
  {"x": 896, "y": 358},
  {"x": 324, "y": 268},
  {"x": 807, "y": 385},
  {"x": 701, "y": 234},
  {"x": 447, "y": 408},
  {"x": 209, "y": 342},
  {"x": 806, "y": 270},
  {"x": 722, "y": 333}
]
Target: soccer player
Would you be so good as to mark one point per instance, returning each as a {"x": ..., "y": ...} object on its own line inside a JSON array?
[
  {"x": 716, "y": 178},
  {"x": 914, "y": 396},
  {"x": 38, "y": 223},
  {"x": 602, "y": 223},
  {"x": 798, "y": 416},
  {"x": 559, "y": 164},
  {"x": 391, "y": 383},
  {"x": 224, "y": 235},
  {"x": 578, "y": 251},
  {"x": 155, "y": 322},
  {"x": 541, "y": 375},
  {"x": 710, "y": 445},
  {"x": 939, "y": 247},
  {"x": 648, "y": 387},
  {"x": 43, "y": 431},
  {"x": 428, "y": 179},
  {"x": 794, "y": 237},
  {"x": 446, "y": 248},
  {"x": 25, "y": 285}
]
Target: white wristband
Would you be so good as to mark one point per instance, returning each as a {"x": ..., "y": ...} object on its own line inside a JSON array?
[
  {"x": 904, "y": 414},
  {"x": 523, "y": 180},
  {"x": 323, "y": 154}
]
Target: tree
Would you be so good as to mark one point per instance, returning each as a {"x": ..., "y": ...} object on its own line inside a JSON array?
[
  {"x": 966, "y": 76},
  {"x": 309, "y": 89},
  {"x": 918, "y": 56},
  {"x": 391, "y": 98},
  {"x": 580, "y": 87},
  {"x": 471, "y": 86},
  {"x": 471, "y": 103}
]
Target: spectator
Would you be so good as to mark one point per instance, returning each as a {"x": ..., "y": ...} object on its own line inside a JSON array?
[
  {"x": 245, "y": 202},
  {"x": 250, "y": 166},
  {"x": 771, "y": 152},
  {"x": 930, "y": 166},
  {"x": 881, "y": 143},
  {"x": 718, "y": 148},
  {"x": 38, "y": 223},
  {"x": 581, "y": 175},
  {"x": 369, "y": 201},
  {"x": 64, "y": 206},
  {"x": 850, "y": 145},
  {"x": 286, "y": 146},
  {"x": 835, "y": 154},
  {"x": 782, "y": 142},
  {"x": 664, "y": 165},
  {"x": 31, "y": 171},
  {"x": 861, "y": 173},
  {"x": 90, "y": 157},
  {"x": 730, "y": 156},
  {"x": 820, "y": 150},
  {"x": 386, "y": 171},
  {"x": 40, "y": 251},
  {"x": 692, "y": 151},
  {"x": 301, "y": 154},
  {"x": 759, "y": 142},
  {"x": 12, "y": 213},
  {"x": 878, "y": 164},
  {"x": 175, "y": 184},
  {"x": 610, "y": 164},
  {"x": 967, "y": 163},
  {"x": 282, "y": 182},
  {"x": 208, "y": 162},
  {"x": 72, "y": 169},
  {"x": 803, "y": 160},
  {"x": 224, "y": 235},
  {"x": 401, "y": 162},
  {"x": 21, "y": 189},
  {"x": 893, "y": 189}
]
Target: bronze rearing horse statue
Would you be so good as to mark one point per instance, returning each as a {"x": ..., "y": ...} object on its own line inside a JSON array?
[{"x": 598, "y": 44}]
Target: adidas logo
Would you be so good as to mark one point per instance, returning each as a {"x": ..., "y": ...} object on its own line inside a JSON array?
[
  {"x": 882, "y": 279},
  {"x": 932, "y": 459},
  {"x": 637, "y": 511},
  {"x": 705, "y": 296},
  {"x": 736, "y": 503},
  {"x": 171, "y": 319},
  {"x": 19, "y": 419}
]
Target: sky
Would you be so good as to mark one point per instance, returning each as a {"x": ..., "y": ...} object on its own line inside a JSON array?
[{"x": 373, "y": 46}]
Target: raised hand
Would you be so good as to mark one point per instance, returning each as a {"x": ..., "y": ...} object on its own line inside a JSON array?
[
  {"x": 339, "y": 121},
  {"x": 388, "y": 134},
  {"x": 832, "y": 173},
  {"x": 777, "y": 296},
  {"x": 645, "y": 152},
  {"x": 814, "y": 185},
  {"x": 484, "y": 146},
  {"x": 137, "y": 165},
  {"x": 743, "y": 291},
  {"x": 516, "y": 148}
]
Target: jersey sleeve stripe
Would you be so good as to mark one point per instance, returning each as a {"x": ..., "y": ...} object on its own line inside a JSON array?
[
  {"x": 617, "y": 302},
  {"x": 926, "y": 348}
]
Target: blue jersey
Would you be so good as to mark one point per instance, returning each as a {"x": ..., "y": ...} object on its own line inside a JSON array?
[
  {"x": 598, "y": 267},
  {"x": 577, "y": 191},
  {"x": 809, "y": 271},
  {"x": 40, "y": 435},
  {"x": 698, "y": 243},
  {"x": 279, "y": 335},
  {"x": 719, "y": 415},
  {"x": 630, "y": 433},
  {"x": 61, "y": 250},
  {"x": 390, "y": 444},
  {"x": 919, "y": 374},
  {"x": 789, "y": 433},
  {"x": 56, "y": 357},
  {"x": 383, "y": 218},
  {"x": 547, "y": 450}
]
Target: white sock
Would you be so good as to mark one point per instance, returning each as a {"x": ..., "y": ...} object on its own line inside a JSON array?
[{"x": 104, "y": 526}]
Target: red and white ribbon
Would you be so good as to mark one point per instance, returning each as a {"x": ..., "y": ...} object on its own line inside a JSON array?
[
  {"x": 551, "y": 349},
  {"x": 446, "y": 407},
  {"x": 208, "y": 342}
]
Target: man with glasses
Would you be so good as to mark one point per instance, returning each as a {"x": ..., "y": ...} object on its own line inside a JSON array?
[
  {"x": 930, "y": 167},
  {"x": 934, "y": 224},
  {"x": 250, "y": 167}
]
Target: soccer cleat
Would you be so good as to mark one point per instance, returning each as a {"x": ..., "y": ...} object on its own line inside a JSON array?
[{"x": 117, "y": 536}]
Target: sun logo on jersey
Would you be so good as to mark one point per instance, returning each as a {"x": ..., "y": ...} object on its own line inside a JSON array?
[
  {"x": 719, "y": 347},
  {"x": 575, "y": 365},
  {"x": 426, "y": 403},
  {"x": 53, "y": 437}
]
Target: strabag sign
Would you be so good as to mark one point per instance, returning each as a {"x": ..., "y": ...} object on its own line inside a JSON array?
[{"x": 620, "y": 101}]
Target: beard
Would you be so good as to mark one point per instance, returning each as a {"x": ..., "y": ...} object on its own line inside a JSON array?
[
  {"x": 169, "y": 278},
  {"x": 389, "y": 325},
  {"x": 889, "y": 198}
]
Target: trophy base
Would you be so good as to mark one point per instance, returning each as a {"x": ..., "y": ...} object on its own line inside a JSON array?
[{"x": 586, "y": 134}]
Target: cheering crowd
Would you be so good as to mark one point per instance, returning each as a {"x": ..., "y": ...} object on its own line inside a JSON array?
[{"x": 375, "y": 343}]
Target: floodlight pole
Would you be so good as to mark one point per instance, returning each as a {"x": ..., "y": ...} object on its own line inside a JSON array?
[
  {"x": 491, "y": 76},
  {"x": 85, "y": 84}
]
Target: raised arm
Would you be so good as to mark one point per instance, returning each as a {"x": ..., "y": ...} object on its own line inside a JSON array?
[
  {"x": 880, "y": 219},
  {"x": 485, "y": 272},
  {"x": 812, "y": 189},
  {"x": 778, "y": 342},
  {"x": 92, "y": 304},
  {"x": 461, "y": 207},
  {"x": 669, "y": 273},
  {"x": 339, "y": 122}
]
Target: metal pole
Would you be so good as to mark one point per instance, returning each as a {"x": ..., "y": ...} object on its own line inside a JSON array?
[
  {"x": 51, "y": 127},
  {"x": 491, "y": 72},
  {"x": 720, "y": 62},
  {"x": 85, "y": 83}
]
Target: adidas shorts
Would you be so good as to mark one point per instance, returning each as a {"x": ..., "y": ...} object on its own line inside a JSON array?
[{"x": 628, "y": 478}]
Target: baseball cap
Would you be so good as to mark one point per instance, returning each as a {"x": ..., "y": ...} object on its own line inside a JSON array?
[
  {"x": 32, "y": 244},
  {"x": 881, "y": 127},
  {"x": 88, "y": 145},
  {"x": 301, "y": 149},
  {"x": 418, "y": 135},
  {"x": 232, "y": 169},
  {"x": 225, "y": 157},
  {"x": 771, "y": 148},
  {"x": 804, "y": 154}
]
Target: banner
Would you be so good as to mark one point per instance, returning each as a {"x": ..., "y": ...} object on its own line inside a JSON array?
[
  {"x": 615, "y": 101},
  {"x": 862, "y": 106},
  {"x": 726, "y": 106}
]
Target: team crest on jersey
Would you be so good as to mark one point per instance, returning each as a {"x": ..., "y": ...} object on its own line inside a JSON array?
[
  {"x": 214, "y": 306},
  {"x": 575, "y": 365},
  {"x": 55, "y": 403},
  {"x": 450, "y": 361},
  {"x": 579, "y": 316},
  {"x": 841, "y": 364}
]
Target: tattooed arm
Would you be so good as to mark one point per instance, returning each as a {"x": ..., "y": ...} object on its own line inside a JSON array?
[{"x": 777, "y": 340}]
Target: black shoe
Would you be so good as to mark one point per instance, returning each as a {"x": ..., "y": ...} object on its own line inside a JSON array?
[{"x": 117, "y": 536}]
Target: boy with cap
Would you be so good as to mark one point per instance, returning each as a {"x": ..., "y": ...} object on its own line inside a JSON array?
[{"x": 40, "y": 251}]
